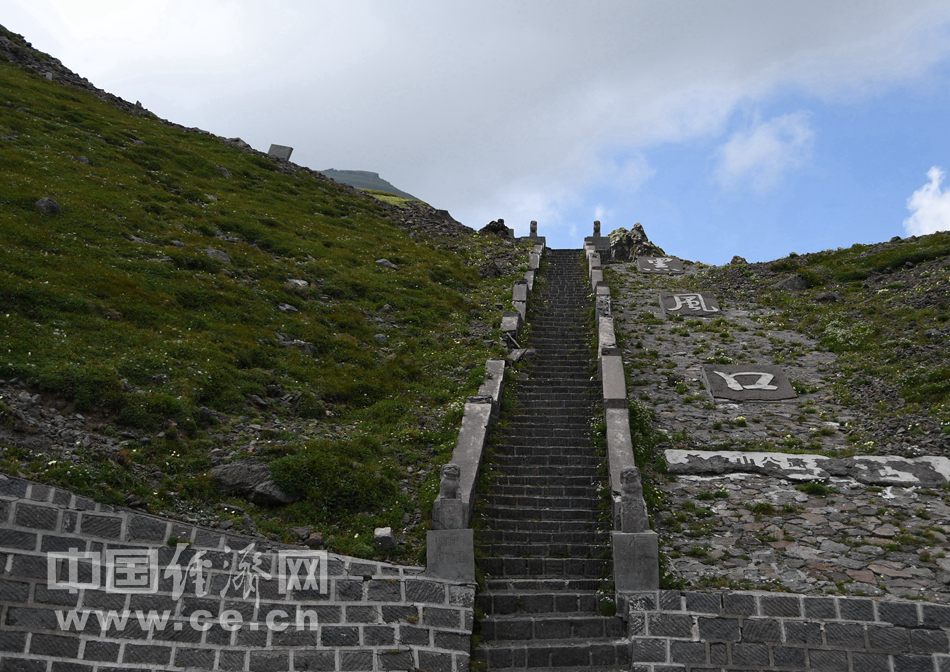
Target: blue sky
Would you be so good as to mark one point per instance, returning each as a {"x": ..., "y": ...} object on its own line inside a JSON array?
[
  {"x": 726, "y": 128},
  {"x": 849, "y": 181}
]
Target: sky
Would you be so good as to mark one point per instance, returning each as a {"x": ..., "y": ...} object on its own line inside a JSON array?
[{"x": 726, "y": 128}]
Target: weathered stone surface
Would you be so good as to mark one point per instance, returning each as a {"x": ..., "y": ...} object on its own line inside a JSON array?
[
  {"x": 659, "y": 265},
  {"x": 636, "y": 561},
  {"x": 383, "y": 538},
  {"x": 747, "y": 382},
  {"x": 450, "y": 555},
  {"x": 628, "y": 245},
  {"x": 511, "y": 321},
  {"x": 252, "y": 480},
  {"x": 218, "y": 255},
  {"x": 614, "y": 383},
  {"x": 695, "y": 304},
  {"x": 793, "y": 283},
  {"x": 633, "y": 509},
  {"x": 48, "y": 206},
  {"x": 497, "y": 228},
  {"x": 927, "y": 471},
  {"x": 494, "y": 383}
]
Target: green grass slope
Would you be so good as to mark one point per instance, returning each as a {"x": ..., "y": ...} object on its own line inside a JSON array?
[
  {"x": 116, "y": 307},
  {"x": 366, "y": 181}
]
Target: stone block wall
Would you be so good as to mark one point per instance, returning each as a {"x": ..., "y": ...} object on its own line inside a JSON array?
[
  {"x": 693, "y": 631},
  {"x": 354, "y": 614}
]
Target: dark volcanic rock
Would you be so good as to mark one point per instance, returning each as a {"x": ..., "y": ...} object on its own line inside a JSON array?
[
  {"x": 251, "y": 480},
  {"x": 496, "y": 228},
  {"x": 628, "y": 245}
]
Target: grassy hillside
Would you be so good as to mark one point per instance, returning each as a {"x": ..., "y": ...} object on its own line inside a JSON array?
[
  {"x": 367, "y": 181},
  {"x": 124, "y": 307}
]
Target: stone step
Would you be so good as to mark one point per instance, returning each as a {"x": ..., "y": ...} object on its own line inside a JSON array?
[
  {"x": 589, "y": 490},
  {"x": 578, "y": 446},
  {"x": 526, "y": 537},
  {"x": 543, "y": 585},
  {"x": 524, "y": 567},
  {"x": 545, "y": 550},
  {"x": 545, "y": 431},
  {"x": 503, "y": 480},
  {"x": 553, "y": 526},
  {"x": 556, "y": 386},
  {"x": 507, "y": 602},
  {"x": 520, "y": 627},
  {"x": 502, "y": 513},
  {"x": 520, "y": 470},
  {"x": 547, "y": 459},
  {"x": 543, "y": 502},
  {"x": 589, "y": 655},
  {"x": 585, "y": 405}
]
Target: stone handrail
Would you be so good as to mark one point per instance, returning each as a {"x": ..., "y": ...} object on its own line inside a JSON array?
[
  {"x": 635, "y": 547},
  {"x": 450, "y": 552}
]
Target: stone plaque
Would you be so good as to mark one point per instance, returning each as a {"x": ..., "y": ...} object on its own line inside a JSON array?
[
  {"x": 636, "y": 561},
  {"x": 450, "y": 555},
  {"x": 747, "y": 382},
  {"x": 659, "y": 265},
  {"x": 280, "y": 152},
  {"x": 692, "y": 304}
]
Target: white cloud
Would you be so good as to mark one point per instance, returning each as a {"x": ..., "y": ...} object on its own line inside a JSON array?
[
  {"x": 763, "y": 153},
  {"x": 490, "y": 108},
  {"x": 930, "y": 207}
]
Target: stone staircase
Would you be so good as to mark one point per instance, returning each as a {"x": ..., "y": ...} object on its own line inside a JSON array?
[{"x": 543, "y": 543}]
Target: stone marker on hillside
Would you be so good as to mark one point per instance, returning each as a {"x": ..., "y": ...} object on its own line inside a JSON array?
[
  {"x": 693, "y": 304},
  {"x": 659, "y": 265},
  {"x": 281, "y": 152},
  {"x": 747, "y": 382}
]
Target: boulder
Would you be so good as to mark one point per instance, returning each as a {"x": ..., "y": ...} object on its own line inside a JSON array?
[
  {"x": 497, "y": 228},
  {"x": 385, "y": 538},
  {"x": 628, "y": 245},
  {"x": 495, "y": 268},
  {"x": 251, "y": 480},
  {"x": 793, "y": 283},
  {"x": 218, "y": 255},
  {"x": 48, "y": 206}
]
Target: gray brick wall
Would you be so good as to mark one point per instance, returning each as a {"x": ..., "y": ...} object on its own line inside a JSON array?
[
  {"x": 372, "y": 616},
  {"x": 692, "y": 632}
]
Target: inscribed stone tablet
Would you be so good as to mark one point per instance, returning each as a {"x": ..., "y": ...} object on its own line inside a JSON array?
[
  {"x": 636, "y": 561},
  {"x": 450, "y": 555},
  {"x": 694, "y": 304},
  {"x": 747, "y": 382},
  {"x": 659, "y": 265},
  {"x": 280, "y": 152}
]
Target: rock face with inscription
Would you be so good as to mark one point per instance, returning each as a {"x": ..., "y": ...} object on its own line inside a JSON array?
[
  {"x": 929, "y": 471},
  {"x": 690, "y": 304},
  {"x": 747, "y": 382},
  {"x": 660, "y": 265}
]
